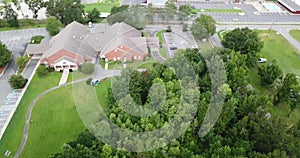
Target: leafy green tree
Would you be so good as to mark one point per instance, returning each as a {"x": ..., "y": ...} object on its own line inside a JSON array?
[
  {"x": 94, "y": 15},
  {"x": 170, "y": 11},
  {"x": 115, "y": 9},
  {"x": 66, "y": 11},
  {"x": 185, "y": 27},
  {"x": 10, "y": 15},
  {"x": 283, "y": 89},
  {"x": 17, "y": 81},
  {"x": 185, "y": 11},
  {"x": 269, "y": 73},
  {"x": 5, "y": 55},
  {"x": 245, "y": 41},
  {"x": 204, "y": 24},
  {"x": 53, "y": 26},
  {"x": 87, "y": 68},
  {"x": 42, "y": 71},
  {"x": 149, "y": 13},
  {"x": 35, "y": 6}
]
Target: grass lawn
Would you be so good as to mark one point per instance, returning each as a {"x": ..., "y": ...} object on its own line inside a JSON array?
[
  {"x": 163, "y": 53},
  {"x": 224, "y": 10},
  {"x": 104, "y": 6},
  {"x": 204, "y": 45},
  {"x": 54, "y": 122},
  {"x": 36, "y": 39},
  {"x": 160, "y": 36},
  {"x": 295, "y": 34},
  {"x": 277, "y": 47},
  {"x": 101, "y": 91},
  {"x": 119, "y": 65},
  {"x": 14, "y": 132}
]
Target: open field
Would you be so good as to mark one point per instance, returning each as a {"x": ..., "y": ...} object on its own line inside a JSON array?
[
  {"x": 295, "y": 34},
  {"x": 118, "y": 65},
  {"x": 54, "y": 122},
  {"x": 14, "y": 132},
  {"x": 278, "y": 48},
  {"x": 20, "y": 28},
  {"x": 104, "y": 6}
]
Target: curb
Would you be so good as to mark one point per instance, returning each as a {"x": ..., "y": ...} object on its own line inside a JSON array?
[{"x": 4, "y": 69}]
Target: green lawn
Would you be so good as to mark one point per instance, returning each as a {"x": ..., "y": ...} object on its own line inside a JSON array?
[
  {"x": 277, "y": 47},
  {"x": 160, "y": 36},
  {"x": 224, "y": 10},
  {"x": 54, "y": 122},
  {"x": 163, "y": 53},
  {"x": 295, "y": 34},
  {"x": 14, "y": 132},
  {"x": 36, "y": 39},
  {"x": 136, "y": 64},
  {"x": 102, "y": 6},
  {"x": 101, "y": 91},
  {"x": 204, "y": 45}
]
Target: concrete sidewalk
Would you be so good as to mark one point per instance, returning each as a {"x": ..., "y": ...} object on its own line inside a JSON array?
[{"x": 64, "y": 77}]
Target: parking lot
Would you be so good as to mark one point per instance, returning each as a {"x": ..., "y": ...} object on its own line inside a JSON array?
[
  {"x": 251, "y": 13},
  {"x": 178, "y": 40},
  {"x": 7, "y": 108}
]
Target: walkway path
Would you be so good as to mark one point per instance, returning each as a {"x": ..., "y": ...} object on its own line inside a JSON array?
[{"x": 64, "y": 77}]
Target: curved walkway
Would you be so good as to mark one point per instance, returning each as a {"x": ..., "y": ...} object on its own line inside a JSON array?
[{"x": 28, "y": 115}]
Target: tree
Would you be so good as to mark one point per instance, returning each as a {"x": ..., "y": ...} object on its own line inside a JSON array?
[
  {"x": 199, "y": 31},
  {"x": 10, "y": 15},
  {"x": 149, "y": 13},
  {"x": 35, "y": 6},
  {"x": 42, "y": 71},
  {"x": 268, "y": 74},
  {"x": 185, "y": 11},
  {"x": 5, "y": 55},
  {"x": 203, "y": 26},
  {"x": 170, "y": 10},
  {"x": 94, "y": 15},
  {"x": 242, "y": 40},
  {"x": 185, "y": 27},
  {"x": 87, "y": 68},
  {"x": 115, "y": 10},
  {"x": 17, "y": 81},
  {"x": 53, "y": 26},
  {"x": 283, "y": 91},
  {"x": 66, "y": 11}
]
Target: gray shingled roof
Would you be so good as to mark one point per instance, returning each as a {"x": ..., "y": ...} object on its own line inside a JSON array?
[
  {"x": 71, "y": 38},
  {"x": 78, "y": 39},
  {"x": 121, "y": 34},
  {"x": 290, "y": 4}
]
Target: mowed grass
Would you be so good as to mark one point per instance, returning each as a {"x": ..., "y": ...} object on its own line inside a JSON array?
[
  {"x": 54, "y": 122},
  {"x": 160, "y": 36},
  {"x": 104, "y": 6},
  {"x": 163, "y": 53},
  {"x": 295, "y": 34},
  {"x": 101, "y": 90},
  {"x": 278, "y": 48},
  {"x": 14, "y": 132}
]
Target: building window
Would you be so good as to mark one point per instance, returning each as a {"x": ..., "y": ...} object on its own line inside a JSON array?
[
  {"x": 134, "y": 57},
  {"x": 64, "y": 63}
]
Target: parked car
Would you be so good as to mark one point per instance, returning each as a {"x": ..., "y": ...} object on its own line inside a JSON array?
[
  {"x": 173, "y": 48},
  {"x": 262, "y": 60}
]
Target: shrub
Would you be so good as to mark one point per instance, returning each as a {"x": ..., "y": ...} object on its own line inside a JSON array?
[
  {"x": 42, "y": 71},
  {"x": 50, "y": 69},
  {"x": 17, "y": 81},
  {"x": 88, "y": 81},
  {"x": 87, "y": 68}
]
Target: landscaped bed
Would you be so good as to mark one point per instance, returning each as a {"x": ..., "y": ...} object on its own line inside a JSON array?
[{"x": 36, "y": 39}]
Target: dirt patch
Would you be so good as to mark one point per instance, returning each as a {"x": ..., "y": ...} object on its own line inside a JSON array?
[{"x": 1, "y": 69}]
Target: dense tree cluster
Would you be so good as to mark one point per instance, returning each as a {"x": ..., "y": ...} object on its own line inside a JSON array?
[
  {"x": 5, "y": 54},
  {"x": 242, "y": 130},
  {"x": 53, "y": 26},
  {"x": 203, "y": 26}
]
